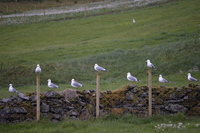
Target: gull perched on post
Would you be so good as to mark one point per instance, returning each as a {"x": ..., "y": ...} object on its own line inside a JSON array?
[
  {"x": 75, "y": 84},
  {"x": 149, "y": 64},
  {"x": 11, "y": 89},
  {"x": 99, "y": 68},
  {"x": 51, "y": 85},
  {"x": 192, "y": 78},
  {"x": 38, "y": 69},
  {"x": 131, "y": 78},
  {"x": 162, "y": 80}
]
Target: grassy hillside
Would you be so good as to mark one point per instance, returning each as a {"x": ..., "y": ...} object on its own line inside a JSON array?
[{"x": 167, "y": 33}]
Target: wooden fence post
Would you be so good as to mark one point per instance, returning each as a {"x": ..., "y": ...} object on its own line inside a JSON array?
[
  {"x": 24, "y": 17},
  {"x": 85, "y": 13},
  {"x": 97, "y": 94},
  {"x": 106, "y": 6},
  {"x": 126, "y": 4},
  {"x": 38, "y": 97},
  {"x": 150, "y": 91}
]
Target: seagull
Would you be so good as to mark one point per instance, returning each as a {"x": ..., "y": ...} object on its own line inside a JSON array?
[
  {"x": 161, "y": 79},
  {"x": 38, "y": 69},
  {"x": 134, "y": 21},
  {"x": 75, "y": 84},
  {"x": 131, "y": 78},
  {"x": 51, "y": 85},
  {"x": 192, "y": 78},
  {"x": 149, "y": 64},
  {"x": 99, "y": 68},
  {"x": 11, "y": 89}
]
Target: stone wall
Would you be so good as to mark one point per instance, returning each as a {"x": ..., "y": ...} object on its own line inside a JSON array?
[{"x": 75, "y": 104}]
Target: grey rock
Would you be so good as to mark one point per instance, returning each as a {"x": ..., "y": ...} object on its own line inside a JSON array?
[
  {"x": 175, "y": 108},
  {"x": 44, "y": 108},
  {"x": 5, "y": 100},
  {"x": 129, "y": 96},
  {"x": 56, "y": 110},
  {"x": 22, "y": 96},
  {"x": 140, "y": 105},
  {"x": 5, "y": 111},
  {"x": 56, "y": 116},
  {"x": 52, "y": 94},
  {"x": 73, "y": 114},
  {"x": 32, "y": 98},
  {"x": 18, "y": 110},
  {"x": 135, "y": 90},
  {"x": 172, "y": 96},
  {"x": 144, "y": 95},
  {"x": 186, "y": 97}
]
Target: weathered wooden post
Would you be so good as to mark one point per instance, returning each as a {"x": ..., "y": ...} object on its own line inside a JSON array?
[
  {"x": 106, "y": 6},
  {"x": 38, "y": 71},
  {"x": 126, "y": 4},
  {"x": 97, "y": 94},
  {"x": 44, "y": 12},
  {"x": 38, "y": 97},
  {"x": 98, "y": 69},
  {"x": 1, "y": 19},
  {"x": 24, "y": 20},
  {"x": 63, "y": 11},
  {"x": 150, "y": 91},
  {"x": 85, "y": 13}
]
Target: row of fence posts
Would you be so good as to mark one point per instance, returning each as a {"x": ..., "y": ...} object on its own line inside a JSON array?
[
  {"x": 64, "y": 14},
  {"x": 97, "y": 94}
]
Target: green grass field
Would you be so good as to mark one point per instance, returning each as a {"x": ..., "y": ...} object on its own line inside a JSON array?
[
  {"x": 167, "y": 33},
  {"x": 110, "y": 124}
]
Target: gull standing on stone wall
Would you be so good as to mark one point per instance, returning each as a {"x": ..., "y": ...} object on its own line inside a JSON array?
[
  {"x": 11, "y": 89},
  {"x": 162, "y": 80},
  {"x": 51, "y": 85},
  {"x": 75, "y": 84},
  {"x": 131, "y": 78},
  {"x": 192, "y": 78}
]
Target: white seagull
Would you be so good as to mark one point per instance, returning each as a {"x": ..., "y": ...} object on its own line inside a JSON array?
[
  {"x": 11, "y": 89},
  {"x": 51, "y": 85},
  {"x": 99, "y": 68},
  {"x": 38, "y": 69},
  {"x": 131, "y": 78},
  {"x": 192, "y": 78},
  {"x": 149, "y": 64},
  {"x": 75, "y": 84},
  {"x": 134, "y": 21},
  {"x": 162, "y": 80}
]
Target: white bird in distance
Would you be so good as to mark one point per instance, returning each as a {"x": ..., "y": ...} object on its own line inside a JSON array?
[
  {"x": 162, "y": 80},
  {"x": 11, "y": 89},
  {"x": 38, "y": 69},
  {"x": 131, "y": 78},
  {"x": 149, "y": 64},
  {"x": 51, "y": 85},
  {"x": 192, "y": 78},
  {"x": 99, "y": 68},
  {"x": 75, "y": 84}
]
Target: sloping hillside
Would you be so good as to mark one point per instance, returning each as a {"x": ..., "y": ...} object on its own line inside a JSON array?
[{"x": 167, "y": 33}]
